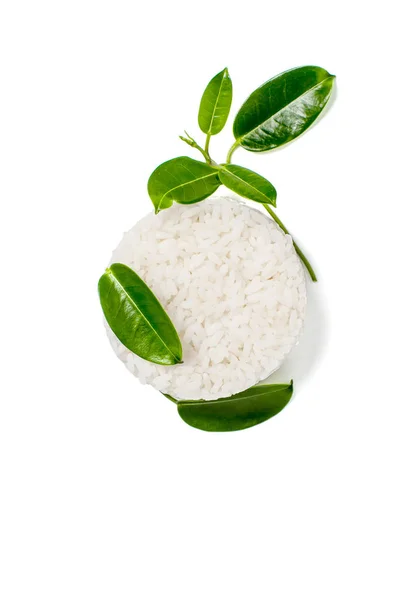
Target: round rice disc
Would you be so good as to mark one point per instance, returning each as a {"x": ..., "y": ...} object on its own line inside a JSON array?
[{"x": 234, "y": 287}]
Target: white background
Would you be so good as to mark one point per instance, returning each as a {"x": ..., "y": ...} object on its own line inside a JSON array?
[{"x": 105, "y": 492}]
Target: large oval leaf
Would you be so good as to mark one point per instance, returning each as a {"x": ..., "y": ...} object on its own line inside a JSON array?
[
  {"x": 243, "y": 410},
  {"x": 248, "y": 184},
  {"x": 137, "y": 318},
  {"x": 182, "y": 179},
  {"x": 215, "y": 103},
  {"x": 282, "y": 108}
]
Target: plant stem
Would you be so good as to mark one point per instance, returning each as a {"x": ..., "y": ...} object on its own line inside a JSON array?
[
  {"x": 298, "y": 250},
  {"x": 230, "y": 152},
  {"x": 189, "y": 140},
  {"x": 207, "y": 141}
]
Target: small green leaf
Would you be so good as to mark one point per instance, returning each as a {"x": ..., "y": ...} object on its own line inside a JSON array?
[
  {"x": 182, "y": 179},
  {"x": 282, "y": 108},
  {"x": 215, "y": 104},
  {"x": 243, "y": 410},
  {"x": 137, "y": 318},
  {"x": 248, "y": 184}
]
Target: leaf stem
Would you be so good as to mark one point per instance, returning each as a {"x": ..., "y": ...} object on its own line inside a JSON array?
[
  {"x": 298, "y": 250},
  {"x": 170, "y": 398},
  {"x": 230, "y": 152}
]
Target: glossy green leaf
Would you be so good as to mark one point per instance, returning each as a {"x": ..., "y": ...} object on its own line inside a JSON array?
[
  {"x": 182, "y": 179},
  {"x": 248, "y": 184},
  {"x": 243, "y": 410},
  {"x": 215, "y": 103},
  {"x": 282, "y": 108},
  {"x": 137, "y": 318}
]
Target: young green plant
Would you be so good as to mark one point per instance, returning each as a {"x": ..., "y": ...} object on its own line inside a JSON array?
[{"x": 274, "y": 114}]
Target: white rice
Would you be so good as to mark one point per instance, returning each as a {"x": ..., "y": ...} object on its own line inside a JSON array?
[{"x": 234, "y": 287}]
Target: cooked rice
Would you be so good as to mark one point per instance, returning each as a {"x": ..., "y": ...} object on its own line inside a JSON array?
[{"x": 231, "y": 282}]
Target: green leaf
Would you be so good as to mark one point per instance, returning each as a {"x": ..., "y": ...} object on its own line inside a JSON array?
[
  {"x": 181, "y": 179},
  {"x": 243, "y": 410},
  {"x": 282, "y": 108},
  {"x": 215, "y": 104},
  {"x": 248, "y": 184},
  {"x": 137, "y": 318}
]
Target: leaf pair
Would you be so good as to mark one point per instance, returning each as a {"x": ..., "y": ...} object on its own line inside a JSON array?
[
  {"x": 274, "y": 114},
  {"x": 186, "y": 181},
  {"x": 243, "y": 410}
]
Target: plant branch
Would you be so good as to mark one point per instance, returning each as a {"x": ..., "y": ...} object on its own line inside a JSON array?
[
  {"x": 191, "y": 142},
  {"x": 298, "y": 250}
]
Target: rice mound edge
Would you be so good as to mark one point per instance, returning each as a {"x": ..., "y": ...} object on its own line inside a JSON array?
[{"x": 234, "y": 287}]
